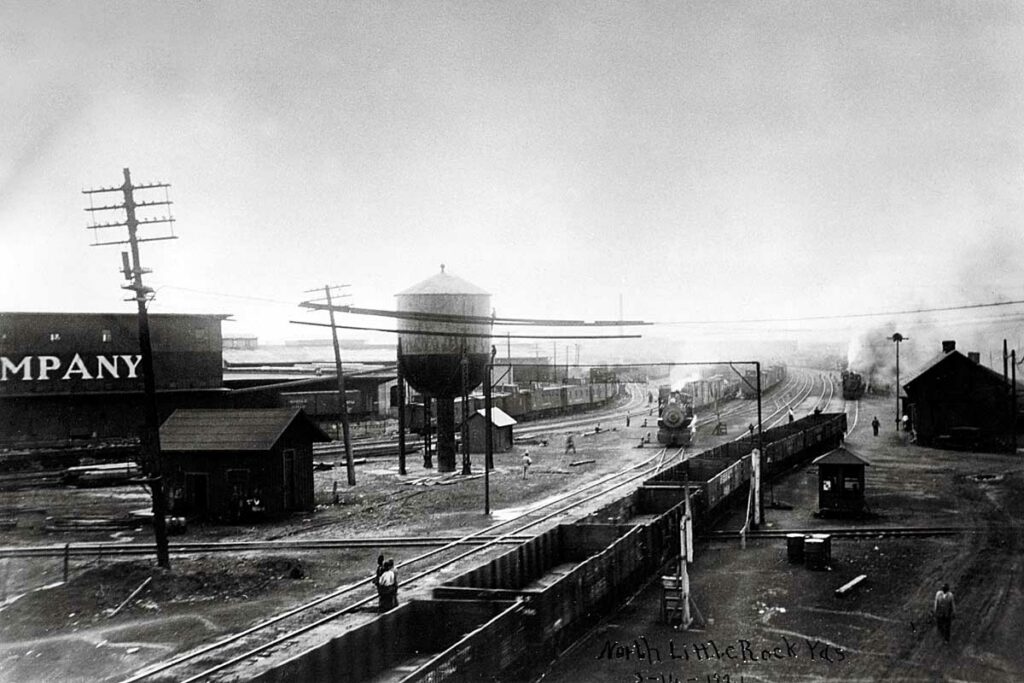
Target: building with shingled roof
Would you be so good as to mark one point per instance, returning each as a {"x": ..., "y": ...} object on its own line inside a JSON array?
[
  {"x": 231, "y": 464},
  {"x": 954, "y": 401},
  {"x": 501, "y": 426}
]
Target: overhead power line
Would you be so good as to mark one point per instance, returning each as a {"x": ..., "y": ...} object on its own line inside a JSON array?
[
  {"x": 840, "y": 316},
  {"x": 468, "y": 334},
  {"x": 471, "y": 319}
]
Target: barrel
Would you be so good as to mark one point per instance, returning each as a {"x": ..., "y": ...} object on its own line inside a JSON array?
[
  {"x": 814, "y": 553},
  {"x": 818, "y": 551},
  {"x": 795, "y": 548}
]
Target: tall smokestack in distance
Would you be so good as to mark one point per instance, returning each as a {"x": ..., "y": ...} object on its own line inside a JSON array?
[
  {"x": 974, "y": 356},
  {"x": 948, "y": 346}
]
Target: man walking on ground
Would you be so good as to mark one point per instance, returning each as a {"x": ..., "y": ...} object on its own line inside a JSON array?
[
  {"x": 570, "y": 444},
  {"x": 526, "y": 463},
  {"x": 875, "y": 424}
]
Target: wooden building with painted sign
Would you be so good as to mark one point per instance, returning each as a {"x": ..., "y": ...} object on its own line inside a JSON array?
[{"x": 69, "y": 376}]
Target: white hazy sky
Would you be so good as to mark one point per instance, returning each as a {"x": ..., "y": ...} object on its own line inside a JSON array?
[{"x": 705, "y": 159}]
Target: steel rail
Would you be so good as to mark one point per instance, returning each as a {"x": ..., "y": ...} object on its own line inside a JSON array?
[
  {"x": 847, "y": 532},
  {"x": 160, "y": 667},
  {"x": 126, "y": 549}
]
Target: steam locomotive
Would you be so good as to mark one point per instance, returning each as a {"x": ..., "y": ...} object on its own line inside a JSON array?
[
  {"x": 853, "y": 385},
  {"x": 675, "y": 421}
]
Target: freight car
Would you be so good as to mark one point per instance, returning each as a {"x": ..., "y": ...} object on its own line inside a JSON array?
[
  {"x": 533, "y": 403},
  {"x": 675, "y": 423},
  {"x": 853, "y": 385},
  {"x": 711, "y": 391},
  {"x": 770, "y": 377}
]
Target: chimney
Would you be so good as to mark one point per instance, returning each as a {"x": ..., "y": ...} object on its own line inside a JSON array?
[
  {"x": 948, "y": 346},
  {"x": 974, "y": 356}
]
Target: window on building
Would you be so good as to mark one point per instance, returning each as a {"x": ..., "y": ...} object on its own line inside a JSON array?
[
  {"x": 107, "y": 336},
  {"x": 55, "y": 336}
]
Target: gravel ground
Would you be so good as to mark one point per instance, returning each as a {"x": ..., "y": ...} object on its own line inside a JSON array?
[
  {"x": 51, "y": 631},
  {"x": 756, "y": 599}
]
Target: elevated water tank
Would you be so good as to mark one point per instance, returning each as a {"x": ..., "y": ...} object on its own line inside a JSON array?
[{"x": 431, "y": 360}]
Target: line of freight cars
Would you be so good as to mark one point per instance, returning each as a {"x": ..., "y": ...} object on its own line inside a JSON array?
[
  {"x": 770, "y": 376},
  {"x": 531, "y": 403},
  {"x": 507, "y": 619}
]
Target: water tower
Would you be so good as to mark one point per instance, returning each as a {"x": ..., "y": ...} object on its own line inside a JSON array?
[{"x": 432, "y": 362}]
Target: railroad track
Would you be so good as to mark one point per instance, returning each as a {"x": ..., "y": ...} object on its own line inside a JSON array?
[
  {"x": 130, "y": 549},
  {"x": 847, "y": 532},
  {"x": 223, "y": 655}
]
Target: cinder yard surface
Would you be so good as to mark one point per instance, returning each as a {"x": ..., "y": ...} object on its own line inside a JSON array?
[
  {"x": 769, "y": 620},
  {"x": 65, "y": 632},
  {"x": 753, "y": 599}
]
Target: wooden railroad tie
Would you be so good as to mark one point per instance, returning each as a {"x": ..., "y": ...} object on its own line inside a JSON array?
[{"x": 848, "y": 587}]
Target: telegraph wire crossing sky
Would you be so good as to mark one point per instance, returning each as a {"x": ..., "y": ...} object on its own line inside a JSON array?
[{"x": 708, "y": 161}]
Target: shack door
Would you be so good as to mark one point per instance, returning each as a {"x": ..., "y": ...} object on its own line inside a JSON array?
[
  {"x": 196, "y": 492},
  {"x": 288, "y": 478}
]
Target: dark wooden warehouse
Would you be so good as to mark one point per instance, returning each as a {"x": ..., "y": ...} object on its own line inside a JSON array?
[
  {"x": 841, "y": 481},
  {"x": 954, "y": 401},
  {"x": 229, "y": 464}
]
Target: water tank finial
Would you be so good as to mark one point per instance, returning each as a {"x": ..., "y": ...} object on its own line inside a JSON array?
[{"x": 442, "y": 267}]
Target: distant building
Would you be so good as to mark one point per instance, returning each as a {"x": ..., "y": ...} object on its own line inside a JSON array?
[
  {"x": 954, "y": 401},
  {"x": 229, "y": 464},
  {"x": 71, "y": 376},
  {"x": 523, "y": 370},
  {"x": 501, "y": 427},
  {"x": 241, "y": 341}
]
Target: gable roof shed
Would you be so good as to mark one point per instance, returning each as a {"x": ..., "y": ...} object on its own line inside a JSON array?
[
  {"x": 840, "y": 456},
  {"x": 232, "y": 430}
]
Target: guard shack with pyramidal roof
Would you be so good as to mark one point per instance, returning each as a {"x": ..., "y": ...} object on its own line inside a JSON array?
[
  {"x": 841, "y": 481},
  {"x": 233, "y": 464}
]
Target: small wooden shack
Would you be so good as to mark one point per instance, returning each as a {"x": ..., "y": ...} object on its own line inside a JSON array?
[
  {"x": 501, "y": 426},
  {"x": 841, "y": 481},
  {"x": 233, "y": 464}
]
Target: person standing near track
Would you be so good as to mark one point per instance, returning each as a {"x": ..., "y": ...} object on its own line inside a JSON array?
[
  {"x": 944, "y": 609},
  {"x": 570, "y": 443},
  {"x": 388, "y": 587},
  {"x": 376, "y": 583},
  {"x": 875, "y": 424},
  {"x": 527, "y": 462}
]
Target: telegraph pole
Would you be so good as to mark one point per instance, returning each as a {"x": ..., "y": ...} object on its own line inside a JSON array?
[
  {"x": 133, "y": 271},
  {"x": 401, "y": 410},
  {"x": 464, "y": 431},
  {"x": 350, "y": 466}
]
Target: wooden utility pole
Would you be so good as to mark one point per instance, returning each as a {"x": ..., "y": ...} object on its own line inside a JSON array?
[
  {"x": 464, "y": 431},
  {"x": 401, "y": 411},
  {"x": 350, "y": 466},
  {"x": 133, "y": 271}
]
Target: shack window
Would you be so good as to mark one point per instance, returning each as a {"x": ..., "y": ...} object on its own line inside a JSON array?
[
  {"x": 107, "y": 336},
  {"x": 851, "y": 485},
  {"x": 55, "y": 336}
]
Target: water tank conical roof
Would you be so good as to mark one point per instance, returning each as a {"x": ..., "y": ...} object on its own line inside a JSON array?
[{"x": 443, "y": 283}]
